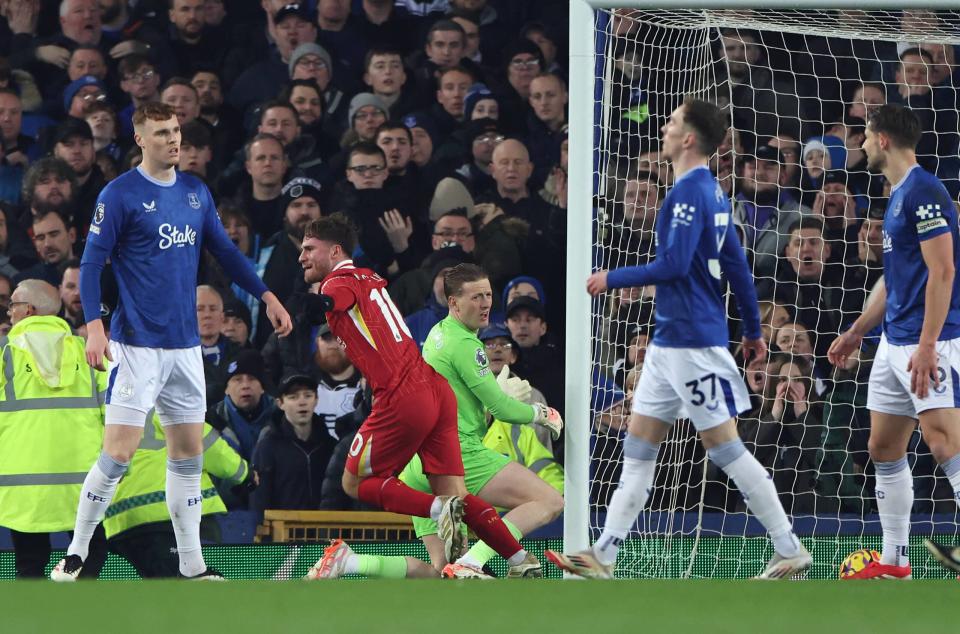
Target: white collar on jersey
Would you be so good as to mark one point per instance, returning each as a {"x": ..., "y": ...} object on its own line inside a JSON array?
[
  {"x": 905, "y": 177},
  {"x": 343, "y": 264}
]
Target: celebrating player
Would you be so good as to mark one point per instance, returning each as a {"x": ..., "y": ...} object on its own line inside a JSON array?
[
  {"x": 151, "y": 223},
  {"x": 688, "y": 370},
  {"x": 454, "y": 350},
  {"x": 915, "y": 371},
  {"x": 414, "y": 409}
]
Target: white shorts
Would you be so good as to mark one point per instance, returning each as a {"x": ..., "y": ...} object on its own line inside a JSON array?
[
  {"x": 889, "y": 390},
  {"x": 143, "y": 378},
  {"x": 702, "y": 384}
]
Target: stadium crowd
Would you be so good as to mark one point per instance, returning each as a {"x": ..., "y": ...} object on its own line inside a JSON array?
[
  {"x": 810, "y": 217},
  {"x": 437, "y": 127}
]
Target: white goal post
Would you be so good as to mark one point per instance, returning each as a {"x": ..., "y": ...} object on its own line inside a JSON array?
[{"x": 695, "y": 25}]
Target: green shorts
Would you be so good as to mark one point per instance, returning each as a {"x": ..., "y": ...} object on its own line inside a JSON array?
[{"x": 480, "y": 464}]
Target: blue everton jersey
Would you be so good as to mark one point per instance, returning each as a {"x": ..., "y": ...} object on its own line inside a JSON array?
[
  {"x": 696, "y": 241},
  {"x": 919, "y": 209},
  {"x": 152, "y": 233}
]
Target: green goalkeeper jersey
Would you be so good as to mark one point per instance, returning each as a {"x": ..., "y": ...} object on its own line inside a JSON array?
[{"x": 455, "y": 352}]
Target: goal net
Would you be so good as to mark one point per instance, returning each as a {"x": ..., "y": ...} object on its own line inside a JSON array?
[{"x": 798, "y": 85}]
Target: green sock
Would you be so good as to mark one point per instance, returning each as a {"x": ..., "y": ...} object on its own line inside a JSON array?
[
  {"x": 382, "y": 567},
  {"x": 481, "y": 553}
]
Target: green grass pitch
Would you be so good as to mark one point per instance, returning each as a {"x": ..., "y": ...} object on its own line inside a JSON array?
[{"x": 381, "y": 607}]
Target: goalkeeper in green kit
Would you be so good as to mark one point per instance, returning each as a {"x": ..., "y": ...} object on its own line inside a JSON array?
[{"x": 453, "y": 349}]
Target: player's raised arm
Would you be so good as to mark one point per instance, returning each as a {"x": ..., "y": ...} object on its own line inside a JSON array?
[{"x": 238, "y": 267}]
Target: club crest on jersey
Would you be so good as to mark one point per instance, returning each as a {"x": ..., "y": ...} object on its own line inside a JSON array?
[
  {"x": 194, "y": 200},
  {"x": 481, "y": 358},
  {"x": 174, "y": 236}
]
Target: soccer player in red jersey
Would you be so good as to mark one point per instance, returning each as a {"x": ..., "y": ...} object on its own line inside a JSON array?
[{"x": 414, "y": 408}]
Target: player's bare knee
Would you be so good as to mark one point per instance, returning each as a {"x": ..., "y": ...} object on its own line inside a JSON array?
[
  {"x": 554, "y": 504},
  {"x": 942, "y": 449},
  {"x": 883, "y": 450}
]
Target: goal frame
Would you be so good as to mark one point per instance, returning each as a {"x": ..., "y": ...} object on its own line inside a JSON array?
[{"x": 586, "y": 65}]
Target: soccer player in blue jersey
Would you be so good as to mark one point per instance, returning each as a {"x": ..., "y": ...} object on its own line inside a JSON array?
[
  {"x": 688, "y": 370},
  {"x": 151, "y": 223},
  {"x": 916, "y": 371}
]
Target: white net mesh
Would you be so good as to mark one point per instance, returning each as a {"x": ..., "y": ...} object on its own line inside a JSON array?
[{"x": 798, "y": 85}]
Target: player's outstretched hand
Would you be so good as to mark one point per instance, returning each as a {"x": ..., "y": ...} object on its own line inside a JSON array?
[
  {"x": 754, "y": 348},
  {"x": 842, "y": 346},
  {"x": 923, "y": 368},
  {"x": 549, "y": 418},
  {"x": 513, "y": 386},
  {"x": 278, "y": 315},
  {"x": 597, "y": 283},
  {"x": 98, "y": 347}
]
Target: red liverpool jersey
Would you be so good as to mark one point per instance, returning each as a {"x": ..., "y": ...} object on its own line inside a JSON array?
[{"x": 372, "y": 331}]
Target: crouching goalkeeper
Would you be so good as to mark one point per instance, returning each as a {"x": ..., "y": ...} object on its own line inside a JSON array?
[{"x": 453, "y": 349}]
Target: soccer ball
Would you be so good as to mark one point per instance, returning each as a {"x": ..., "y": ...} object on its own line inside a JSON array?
[{"x": 857, "y": 561}]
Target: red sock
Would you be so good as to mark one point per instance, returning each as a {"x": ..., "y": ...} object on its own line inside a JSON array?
[
  {"x": 486, "y": 523},
  {"x": 392, "y": 495}
]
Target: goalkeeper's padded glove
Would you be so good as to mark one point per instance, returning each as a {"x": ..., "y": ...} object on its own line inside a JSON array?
[
  {"x": 549, "y": 418},
  {"x": 513, "y": 386},
  {"x": 316, "y": 307}
]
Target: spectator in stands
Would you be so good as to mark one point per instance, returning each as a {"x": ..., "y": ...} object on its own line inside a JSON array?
[
  {"x": 196, "y": 151},
  {"x": 523, "y": 62},
  {"x": 49, "y": 184},
  {"x": 246, "y": 408},
  {"x": 266, "y": 163},
  {"x": 772, "y": 316},
  {"x": 723, "y": 165},
  {"x": 638, "y": 195},
  {"x": 16, "y": 252},
  {"x": 471, "y": 36},
  {"x": 452, "y": 234},
  {"x": 79, "y": 94},
  {"x": 105, "y": 128},
  {"x": 307, "y": 99},
  {"x": 424, "y": 133},
  {"x": 338, "y": 381},
  {"x": 762, "y": 103},
  {"x": 223, "y": 120},
  {"x": 180, "y": 93},
  {"x": 524, "y": 286},
  {"x": 73, "y": 143},
  {"x": 294, "y": 24},
  {"x": 140, "y": 80},
  {"x": 863, "y": 268},
  {"x": 300, "y": 203},
  {"x": 763, "y": 209},
  {"x": 53, "y": 239},
  {"x": 218, "y": 351},
  {"x": 292, "y": 454},
  {"x": 384, "y": 230},
  {"x": 480, "y": 103},
  {"x": 639, "y": 334},
  {"x": 18, "y": 149},
  {"x": 444, "y": 48},
  {"x": 87, "y": 60},
  {"x": 191, "y": 44},
  {"x": 790, "y": 169},
  {"x": 548, "y": 42},
  {"x": 384, "y": 23},
  {"x": 280, "y": 119},
  {"x": 835, "y": 205},
  {"x": 6, "y": 289},
  {"x": 435, "y": 306},
  {"x": 386, "y": 78},
  {"x": 548, "y": 101},
  {"x": 803, "y": 282},
  {"x": 333, "y": 497},
  {"x": 411, "y": 187},
  {"x": 237, "y": 323},
  {"x": 342, "y": 35},
  {"x": 366, "y": 114},
  {"x": 72, "y": 310},
  {"x": 541, "y": 362},
  {"x": 481, "y": 137},
  {"x": 866, "y": 98},
  {"x": 501, "y": 241},
  {"x": 312, "y": 61},
  {"x": 452, "y": 86}
]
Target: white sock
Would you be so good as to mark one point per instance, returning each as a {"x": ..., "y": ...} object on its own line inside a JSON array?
[
  {"x": 95, "y": 496},
  {"x": 625, "y": 505},
  {"x": 517, "y": 558},
  {"x": 352, "y": 565},
  {"x": 435, "y": 508},
  {"x": 894, "y": 502},
  {"x": 756, "y": 486},
  {"x": 952, "y": 468},
  {"x": 185, "y": 504}
]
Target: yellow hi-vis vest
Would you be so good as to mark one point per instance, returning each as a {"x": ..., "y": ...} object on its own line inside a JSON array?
[
  {"x": 141, "y": 495},
  {"x": 520, "y": 443},
  {"x": 51, "y": 424}
]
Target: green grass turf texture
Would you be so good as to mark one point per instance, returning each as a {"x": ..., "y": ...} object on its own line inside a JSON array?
[{"x": 426, "y": 606}]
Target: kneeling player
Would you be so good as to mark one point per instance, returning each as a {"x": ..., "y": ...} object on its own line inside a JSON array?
[{"x": 454, "y": 350}]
